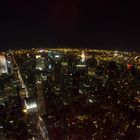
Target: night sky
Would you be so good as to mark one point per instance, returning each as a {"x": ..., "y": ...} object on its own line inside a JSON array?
[{"x": 106, "y": 24}]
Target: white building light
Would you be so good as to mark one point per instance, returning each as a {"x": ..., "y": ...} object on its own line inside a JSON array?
[
  {"x": 3, "y": 65},
  {"x": 91, "y": 101},
  {"x": 41, "y": 50},
  {"x": 38, "y": 56},
  {"x": 50, "y": 66},
  {"x": 81, "y": 66},
  {"x": 40, "y": 68},
  {"x": 9, "y": 62},
  {"x": 30, "y": 104},
  {"x": 57, "y": 56}
]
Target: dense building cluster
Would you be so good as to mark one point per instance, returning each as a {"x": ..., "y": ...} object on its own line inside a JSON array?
[
  {"x": 82, "y": 94},
  {"x": 12, "y": 119}
]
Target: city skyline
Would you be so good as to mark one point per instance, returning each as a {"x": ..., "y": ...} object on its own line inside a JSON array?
[{"x": 66, "y": 93}]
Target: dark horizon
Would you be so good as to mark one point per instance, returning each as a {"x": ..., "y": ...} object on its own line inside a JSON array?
[{"x": 99, "y": 24}]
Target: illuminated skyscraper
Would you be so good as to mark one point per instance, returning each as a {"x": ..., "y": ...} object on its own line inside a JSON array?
[
  {"x": 40, "y": 62},
  {"x": 3, "y": 65}
]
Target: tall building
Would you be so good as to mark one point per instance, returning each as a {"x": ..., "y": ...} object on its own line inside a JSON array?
[
  {"x": 3, "y": 65},
  {"x": 40, "y": 62},
  {"x": 10, "y": 65}
]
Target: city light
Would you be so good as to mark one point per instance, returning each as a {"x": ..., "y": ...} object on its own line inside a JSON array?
[
  {"x": 3, "y": 65},
  {"x": 81, "y": 66},
  {"x": 38, "y": 56},
  {"x": 40, "y": 68},
  {"x": 85, "y": 93},
  {"x": 25, "y": 110},
  {"x": 50, "y": 66},
  {"x": 57, "y": 56},
  {"x": 41, "y": 50},
  {"x": 31, "y": 106},
  {"x": 83, "y": 56},
  {"x": 91, "y": 101},
  {"x": 9, "y": 62}
]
